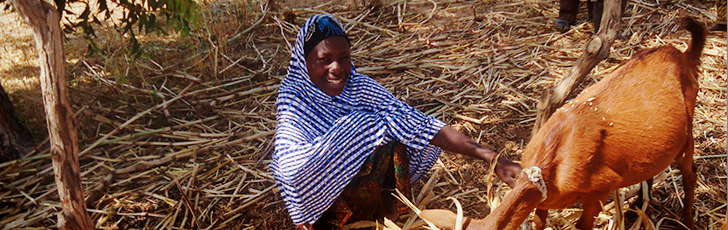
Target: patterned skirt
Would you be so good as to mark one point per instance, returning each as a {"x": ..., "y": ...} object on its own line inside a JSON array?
[{"x": 368, "y": 195}]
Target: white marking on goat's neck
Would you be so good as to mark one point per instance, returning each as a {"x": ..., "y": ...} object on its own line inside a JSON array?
[{"x": 534, "y": 175}]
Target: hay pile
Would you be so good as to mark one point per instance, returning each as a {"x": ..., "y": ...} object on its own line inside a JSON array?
[{"x": 182, "y": 139}]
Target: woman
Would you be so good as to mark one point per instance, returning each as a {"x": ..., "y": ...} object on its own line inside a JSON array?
[{"x": 343, "y": 142}]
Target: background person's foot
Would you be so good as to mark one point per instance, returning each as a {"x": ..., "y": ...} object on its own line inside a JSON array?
[
  {"x": 718, "y": 27},
  {"x": 562, "y": 25}
]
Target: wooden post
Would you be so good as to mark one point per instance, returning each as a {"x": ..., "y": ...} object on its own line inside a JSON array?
[
  {"x": 45, "y": 21},
  {"x": 596, "y": 50}
]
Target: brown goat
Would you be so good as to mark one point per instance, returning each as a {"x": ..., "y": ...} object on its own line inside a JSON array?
[{"x": 623, "y": 130}]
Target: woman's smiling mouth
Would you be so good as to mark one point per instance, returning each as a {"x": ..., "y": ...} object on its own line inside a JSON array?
[{"x": 334, "y": 81}]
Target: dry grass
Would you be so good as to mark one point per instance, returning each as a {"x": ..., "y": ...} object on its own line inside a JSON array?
[{"x": 182, "y": 139}]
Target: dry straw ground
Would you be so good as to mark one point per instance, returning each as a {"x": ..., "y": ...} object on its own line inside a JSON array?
[{"x": 182, "y": 138}]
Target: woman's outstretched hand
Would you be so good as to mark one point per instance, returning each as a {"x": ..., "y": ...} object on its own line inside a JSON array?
[
  {"x": 451, "y": 140},
  {"x": 507, "y": 171}
]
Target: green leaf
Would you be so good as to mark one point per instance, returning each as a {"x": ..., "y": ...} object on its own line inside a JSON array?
[{"x": 148, "y": 16}]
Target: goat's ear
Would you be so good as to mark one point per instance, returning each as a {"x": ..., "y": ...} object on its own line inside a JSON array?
[{"x": 440, "y": 217}]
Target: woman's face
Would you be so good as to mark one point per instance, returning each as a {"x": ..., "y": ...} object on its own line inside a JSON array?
[{"x": 329, "y": 65}]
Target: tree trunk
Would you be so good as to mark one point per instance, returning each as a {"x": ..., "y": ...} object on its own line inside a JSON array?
[
  {"x": 596, "y": 50},
  {"x": 15, "y": 137},
  {"x": 45, "y": 21}
]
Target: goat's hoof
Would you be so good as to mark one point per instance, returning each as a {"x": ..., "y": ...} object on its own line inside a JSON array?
[{"x": 562, "y": 25}]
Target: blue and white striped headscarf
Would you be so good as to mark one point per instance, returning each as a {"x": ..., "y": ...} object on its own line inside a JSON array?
[{"x": 321, "y": 141}]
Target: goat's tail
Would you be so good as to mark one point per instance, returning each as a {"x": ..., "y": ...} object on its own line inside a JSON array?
[{"x": 699, "y": 34}]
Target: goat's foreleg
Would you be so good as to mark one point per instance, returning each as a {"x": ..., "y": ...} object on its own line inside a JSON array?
[
  {"x": 592, "y": 206},
  {"x": 539, "y": 220}
]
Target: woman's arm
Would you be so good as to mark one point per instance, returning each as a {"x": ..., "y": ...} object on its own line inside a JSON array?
[
  {"x": 451, "y": 140},
  {"x": 412, "y": 127}
]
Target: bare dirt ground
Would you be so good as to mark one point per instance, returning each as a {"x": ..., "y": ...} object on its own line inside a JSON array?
[{"x": 201, "y": 161}]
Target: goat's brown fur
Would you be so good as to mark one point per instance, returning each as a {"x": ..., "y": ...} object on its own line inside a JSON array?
[{"x": 623, "y": 130}]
